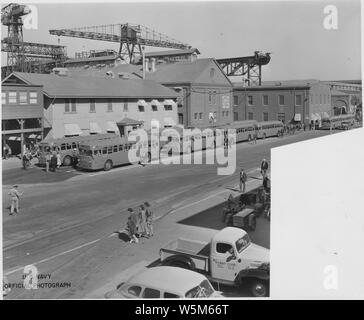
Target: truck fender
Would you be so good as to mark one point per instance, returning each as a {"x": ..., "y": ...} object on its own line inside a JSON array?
[
  {"x": 179, "y": 261},
  {"x": 252, "y": 273}
]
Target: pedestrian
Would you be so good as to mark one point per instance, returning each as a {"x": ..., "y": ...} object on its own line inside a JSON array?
[
  {"x": 131, "y": 227},
  {"x": 59, "y": 160},
  {"x": 243, "y": 178},
  {"x": 26, "y": 159},
  {"x": 149, "y": 219},
  {"x": 255, "y": 136},
  {"x": 14, "y": 197},
  {"x": 48, "y": 161},
  {"x": 142, "y": 221},
  {"x": 135, "y": 217},
  {"x": 53, "y": 162},
  {"x": 74, "y": 158},
  {"x": 264, "y": 167}
]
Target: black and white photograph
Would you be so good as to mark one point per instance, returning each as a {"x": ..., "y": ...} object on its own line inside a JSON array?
[{"x": 182, "y": 150}]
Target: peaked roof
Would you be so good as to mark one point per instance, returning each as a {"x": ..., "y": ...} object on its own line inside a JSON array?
[
  {"x": 182, "y": 72},
  {"x": 94, "y": 87}
]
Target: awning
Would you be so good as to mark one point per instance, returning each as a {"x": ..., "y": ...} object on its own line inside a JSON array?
[
  {"x": 95, "y": 128},
  {"x": 129, "y": 122},
  {"x": 112, "y": 127},
  {"x": 156, "y": 103},
  {"x": 169, "y": 102},
  {"x": 142, "y": 102},
  {"x": 72, "y": 129}
]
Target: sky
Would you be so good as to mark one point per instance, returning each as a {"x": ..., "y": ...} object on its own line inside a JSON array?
[{"x": 291, "y": 30}]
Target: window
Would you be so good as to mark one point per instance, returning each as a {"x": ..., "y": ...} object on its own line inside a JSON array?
[
  {"x": 250, "y": 115},
  {"x": 66, "y": 105},
  {"x": 154, "y": 108},
  {"x": 13, "y": 97},
  {"x": 92, "y": 105},
  {"x": 141, "y": 108},
  {"x": 3, "y": 97},
  {"x": 223, "y": 247},
  {"x": 125, "y": 108},
  {"x": 33, "y": 97},
  {"x": 227, "y": 113},
  {"x": 236, "y": 116},
  {"x": 210, "y": 97},
  {"x": 298, "y": 100},
  {"x": 134, "y": 290},
  {"x": 265, "y": 116},
  {"x": 151, "y": 293},
  {"x": 200, "y": 115},
  {"x": 109, "y": 149},
  {"x": 250, "y": 100},
  {"x": 281, "y": 99},
  {"x": 236, "y": 100},
  {"x": 109, "y": 105},
  {"x": 170, "y": 295},
  {"x": 23, "y": 97},
  {"x": 180, "y": 118},
  {"x": 196, "y": 115},
  {"x": 73, "y": 105},
  {"x": 265, "y": 100},
  {"x": 213, "y": 97},
  {"x": 74, "y": 145},
  {"x": 115, "y": 148},
  {"x": 121, "y": 147},
  {"x": 168, "y": 107},
  {"x": 104, "y": 150}
]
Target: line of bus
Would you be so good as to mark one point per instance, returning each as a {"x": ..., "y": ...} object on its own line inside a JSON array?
[
  {"x": 344, "y": 121},
  {"x": 67, "y": 146}
]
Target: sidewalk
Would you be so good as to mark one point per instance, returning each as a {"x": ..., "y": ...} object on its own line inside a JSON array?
[{"x": 168, "y": 227}]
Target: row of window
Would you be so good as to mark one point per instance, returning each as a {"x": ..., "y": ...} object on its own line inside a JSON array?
[
  {"x": 199, "y": 115},
  {"x": 265, "y": 100},
  {"x": 112, "y": 149},
  {"x": 19, "y": 97},
  {"x": 70, "y": 106}
]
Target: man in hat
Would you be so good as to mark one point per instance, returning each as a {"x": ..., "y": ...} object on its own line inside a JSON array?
[{"x": 14, "y": 197}]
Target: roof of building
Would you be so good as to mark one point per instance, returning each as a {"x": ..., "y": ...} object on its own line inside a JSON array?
[
  {"x": 95, "y": 87},
  {"x": 284, "y": 84},
  {"x": 172, "y": 52},
  {"x": 92, "y": 59},
  {"x": 135, "y": 71},
  {"x": 180, "y": 72},
  {"x": 338, "y": 93}
]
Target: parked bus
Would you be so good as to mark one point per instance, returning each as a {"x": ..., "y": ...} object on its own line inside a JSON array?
[
  {"x": 66, "y": 146},
  {"x": 344, "y": 121},
  {"x": 244, "y": 129},
  {"x": 269, "y": 129}
]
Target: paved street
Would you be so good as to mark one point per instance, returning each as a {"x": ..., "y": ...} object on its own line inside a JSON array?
[{"x": 68, "y": 219}]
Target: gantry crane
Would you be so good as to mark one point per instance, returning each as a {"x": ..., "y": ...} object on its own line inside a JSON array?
[
  {"x": 131, "y": 38},
  {"x": 249, "y": 67},
  {"x": 25, "y": 56}
]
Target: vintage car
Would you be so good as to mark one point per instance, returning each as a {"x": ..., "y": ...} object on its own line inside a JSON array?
[{"x": 164, "y": 282}]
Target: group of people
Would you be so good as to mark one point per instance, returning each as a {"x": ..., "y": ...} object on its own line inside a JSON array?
[
  {"x": 243, "y": 177},
  {"x": 140, "y": 223},
  {"x": 53, "y": 161}
]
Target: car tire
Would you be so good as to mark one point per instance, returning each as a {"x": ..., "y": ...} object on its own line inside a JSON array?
[
  {"x": 259, "y": 288},
  {"x": 108, "y": 165},
  {"x": 67, "y": 161}
]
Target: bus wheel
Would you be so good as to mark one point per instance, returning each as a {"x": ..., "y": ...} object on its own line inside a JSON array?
[
  {"x": 108, "y": 165},
  {"x": 67, "y": 161}
]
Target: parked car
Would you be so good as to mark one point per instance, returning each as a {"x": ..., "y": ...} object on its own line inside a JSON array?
[
  {"x": 164, "y": 282},
  {"x": 229, "y": 258}
]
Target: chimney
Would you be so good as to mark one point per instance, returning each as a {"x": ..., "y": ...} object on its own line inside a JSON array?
[
  {"x": 146, "y": 64},
  {"x": 153, "y": 65}
]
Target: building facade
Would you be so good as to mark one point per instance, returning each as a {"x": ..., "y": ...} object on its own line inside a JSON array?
[
  {"x": 295, "y": 101},
  {"x": 82, "y": 105},
  {"x": 22, "y": 115}
]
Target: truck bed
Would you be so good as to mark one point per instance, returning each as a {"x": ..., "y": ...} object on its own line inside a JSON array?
[{"x": 189, "y": 247}]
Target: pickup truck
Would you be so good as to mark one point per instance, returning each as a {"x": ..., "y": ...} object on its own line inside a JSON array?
[{"x": 230, "y": 258}]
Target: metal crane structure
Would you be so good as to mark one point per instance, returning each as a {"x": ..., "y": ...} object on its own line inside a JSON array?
[
  {"x": 132, "y": 38},
  {"x": 249, "y": 67},
  {"x": 26, "y": 56}
]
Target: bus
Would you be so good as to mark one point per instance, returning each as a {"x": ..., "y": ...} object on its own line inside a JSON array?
[
  {"x": 344, "y": 121},
  {"x": 66, "y": 146},
  {"x": 269, "y": 129},
  {"x": 244, "y": 130}
]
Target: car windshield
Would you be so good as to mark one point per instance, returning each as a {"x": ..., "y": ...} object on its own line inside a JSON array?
[
  {"x": 242, "y": 243},
  {"x": 204, "y": 290}
]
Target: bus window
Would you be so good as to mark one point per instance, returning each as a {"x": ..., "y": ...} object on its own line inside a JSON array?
[
  {"x": 121, "y": 147},
  {"x": 104, "y": 150},
  {"x": 96, "y": 152},
  {"x": 115, "y": 148},
  {"x": 109, "y": 150},
  {"x": 63, "y": 146},
  {"x": 74, "y": 145}
]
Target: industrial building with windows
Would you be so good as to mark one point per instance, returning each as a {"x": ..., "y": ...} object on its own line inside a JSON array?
[
  {"x": 76, "y": 105},
  {"x": 288, "y": 101}
]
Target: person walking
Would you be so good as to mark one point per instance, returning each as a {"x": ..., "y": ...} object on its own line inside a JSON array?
[
  {"x": 74, "y": 158},
  {"x": 26, "y": 159},
  {"x": 135, "y": 217},
  {"x": 242, "y": 179},
  {"x": 131, "y": 227},
  {"x": 59, "y": 160},
  {"x": 48, "y": 161},
  {"x": 264, "y": 168},
  {"x": 255, "y": 136},
  {"x": 14, "y": 197},
  {"x": 53, "y": 162},
  {"x": 142, "y": 221},
  {"x": 149, "y": 219}
]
